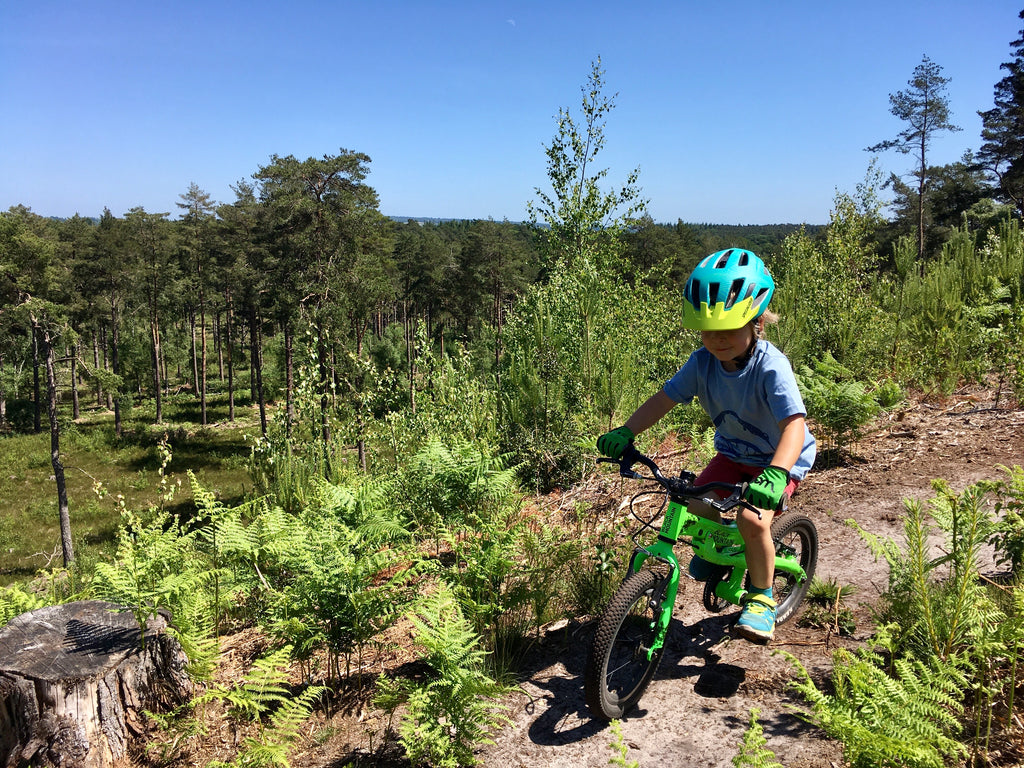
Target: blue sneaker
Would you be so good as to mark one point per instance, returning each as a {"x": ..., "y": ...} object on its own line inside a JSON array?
[
  {"x": 757, "y": 621},
  {"x": 700, "y": 569}
]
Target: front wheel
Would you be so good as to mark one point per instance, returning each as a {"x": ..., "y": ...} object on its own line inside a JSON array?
[
  {"x": 621, "y": 664},
  {"x": 793, "y": 534}
]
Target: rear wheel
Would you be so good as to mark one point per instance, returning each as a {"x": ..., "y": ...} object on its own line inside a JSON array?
[
  {"x": 796, "y": 535},
  {"x": 620, "y": 665},
  {"x": 712, "y": 601}
]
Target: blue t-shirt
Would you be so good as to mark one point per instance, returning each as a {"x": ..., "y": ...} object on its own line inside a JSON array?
[{"x": 747, "y": 405}]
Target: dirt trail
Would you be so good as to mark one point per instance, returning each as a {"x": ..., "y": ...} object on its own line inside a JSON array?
[{"x": 698, "y": 706}]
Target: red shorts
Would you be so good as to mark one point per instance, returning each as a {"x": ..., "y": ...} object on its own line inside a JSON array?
[{"x": 722, "y": 469}]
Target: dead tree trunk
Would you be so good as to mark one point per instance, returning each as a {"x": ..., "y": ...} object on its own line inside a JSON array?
[{"x": 74, "y": 680}]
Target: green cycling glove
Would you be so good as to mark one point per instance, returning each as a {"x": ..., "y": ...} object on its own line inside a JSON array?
[
  {"x": 613, "y": 443},
  {"x": 769, "y": 488}
]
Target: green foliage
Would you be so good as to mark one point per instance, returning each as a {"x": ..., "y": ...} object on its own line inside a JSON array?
[
  {"x": 582, "y": 352},
  {"x": 824, "y": 289},
  {"x": 826, "y": 606},
  {"x": 620, "y": 747},
  {"x": 938, "y": 612},
  {"x": 957, "y": 308},
  {"x": 451, "y": 398},
  {"x": 346, "y": 592},
  {"x": 839, "y": 405},
  {"x": 263, "y": 694},
  {"x": 907, "y": 719},
  {"x": 753, "y": 750},
  {"x": 1003, "y": 131},
  {"x": 488, "y": 578},
  {"x": 1008, "y": 536},
  {"x": 582, "y": 220},
  {"x": 454, "y": 710},
  {"x": 441, "y": 485},
  {"x": 147, "y": 573},
  {"x": 592, "y": 580},
  {"x": 935, "y": 603},
  {"x": 889, "y": 394},
  {"x": 16, "y": 600}
]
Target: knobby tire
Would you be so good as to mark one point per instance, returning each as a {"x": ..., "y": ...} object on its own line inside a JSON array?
[
  {"x": 618, "y": 670},
  {"x": 797, "y": 532}
]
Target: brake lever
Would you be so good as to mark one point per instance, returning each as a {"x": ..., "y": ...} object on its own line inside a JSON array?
[{"x": 735, "y": 499}]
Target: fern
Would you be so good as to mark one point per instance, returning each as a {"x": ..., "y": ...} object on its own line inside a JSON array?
[
  {"x": 441, "y": 485},
  {"x": 906, "y": 720},
  {"x": 152, "y": 568},
  {"x": 263, "y": 692},
  {"x": 346, "y": 592},
  {"x": 14, "y": 601},
  {"x": 620, "y": 748},
  {"x": 839, "y": 405},
  {"x": 935, "y": 601},
  {"x": 455, "y": 710},
  {"x": 753, "y": 752},
  {"x": 262, "y": 687},
  {"x": 273, "y": 743},
  {"x": 1008, "y": 536},
  {"x": 937, "y": 607}
]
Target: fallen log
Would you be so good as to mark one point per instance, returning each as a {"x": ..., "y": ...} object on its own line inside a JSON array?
[{"x": 75, "y": 678}]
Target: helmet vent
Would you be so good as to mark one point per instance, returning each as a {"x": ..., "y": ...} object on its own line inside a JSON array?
[
  {"x": 744, "y": 258},
  {"x": 723, "y": 260},
  {"x": 712, "y": 294},
  {"x": 734, "y": 292},
  {"x": 694, "y": 296}
]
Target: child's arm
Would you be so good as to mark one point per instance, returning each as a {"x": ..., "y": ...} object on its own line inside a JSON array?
[
  {"x": 656, "y": 406},
  {"x": 614, "y": 443},
  {"x": 767, "y": 489},
  {"x": 791, "y": 443}
]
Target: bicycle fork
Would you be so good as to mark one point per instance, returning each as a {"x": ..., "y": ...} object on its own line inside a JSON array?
[{"x": 663, "y": 595}]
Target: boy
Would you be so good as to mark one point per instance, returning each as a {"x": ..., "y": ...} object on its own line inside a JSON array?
[{"x": 746, "y": 386}]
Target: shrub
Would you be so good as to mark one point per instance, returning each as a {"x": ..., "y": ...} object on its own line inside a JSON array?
[
  {"x": 839, "y": 406},
  {"x": 1008, "y": 537}
]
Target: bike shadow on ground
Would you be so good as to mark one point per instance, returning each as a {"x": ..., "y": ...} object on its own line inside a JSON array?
[
  {"x": 560, "y": 712},
  {"x": 692, "y": 652}
]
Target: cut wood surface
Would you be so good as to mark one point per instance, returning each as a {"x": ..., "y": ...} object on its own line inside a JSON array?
[{"x": 74, "y": 680}]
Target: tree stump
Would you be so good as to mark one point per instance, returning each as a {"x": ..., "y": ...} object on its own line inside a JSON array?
[{"x": 74, "y": 679}]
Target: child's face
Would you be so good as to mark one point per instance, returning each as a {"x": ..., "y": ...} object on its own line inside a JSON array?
[{"x": 726, "y": 346}]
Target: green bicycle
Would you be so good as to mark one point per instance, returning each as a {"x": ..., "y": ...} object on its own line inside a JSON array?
[{"x": 630, "y": 637}]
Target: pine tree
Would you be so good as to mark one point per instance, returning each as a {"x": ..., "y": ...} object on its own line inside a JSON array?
[
  {"x": 924, "y": 107},
  {"x": 1002, "y": 132}
]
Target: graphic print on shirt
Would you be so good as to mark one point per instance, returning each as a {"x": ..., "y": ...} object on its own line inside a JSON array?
[{"x": 730, "y": 426}]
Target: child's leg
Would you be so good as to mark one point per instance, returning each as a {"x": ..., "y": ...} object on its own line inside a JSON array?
[
  {"x": 719, "y": 470},
  {"x": 757, "y": 620},
  {"x": 757, "y": 535}
]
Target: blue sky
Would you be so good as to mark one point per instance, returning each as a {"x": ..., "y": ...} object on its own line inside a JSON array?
[{"x": 735, "y": 112}]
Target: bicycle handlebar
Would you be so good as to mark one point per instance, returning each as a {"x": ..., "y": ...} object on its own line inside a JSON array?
[{"x": 681, "y": 486}]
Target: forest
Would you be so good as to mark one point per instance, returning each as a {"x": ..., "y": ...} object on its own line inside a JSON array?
[{"x": 399, "y": 390}]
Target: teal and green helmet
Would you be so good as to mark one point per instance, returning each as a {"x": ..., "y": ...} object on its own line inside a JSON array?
[{"x": 726, "y": 291}]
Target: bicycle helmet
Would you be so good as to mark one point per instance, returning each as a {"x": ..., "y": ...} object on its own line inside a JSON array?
[{"x": 726, "y": 291}]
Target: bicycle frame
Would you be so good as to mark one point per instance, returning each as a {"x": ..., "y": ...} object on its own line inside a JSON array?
[{"x": 717, "y": 543}]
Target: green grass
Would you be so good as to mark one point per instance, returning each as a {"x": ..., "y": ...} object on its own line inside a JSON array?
[{"x": 29, "y": 525}]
